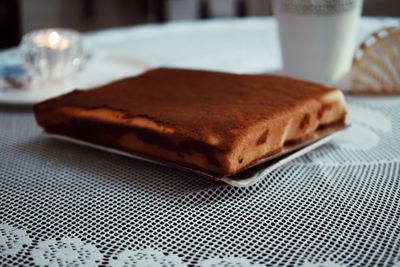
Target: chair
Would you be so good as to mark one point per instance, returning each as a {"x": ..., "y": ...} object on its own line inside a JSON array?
[
  {"x": 203, "y": 11},
  {"x": 10, "y": 23}
]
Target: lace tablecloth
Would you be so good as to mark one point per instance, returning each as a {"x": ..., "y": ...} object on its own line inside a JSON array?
[{"x": 66, "y": 205}]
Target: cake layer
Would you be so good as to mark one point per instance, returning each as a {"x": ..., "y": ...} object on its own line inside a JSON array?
[{"x": 212, "y": 121}]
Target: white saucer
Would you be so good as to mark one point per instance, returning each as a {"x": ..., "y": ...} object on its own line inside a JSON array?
[{"x": 101, "y": 68}]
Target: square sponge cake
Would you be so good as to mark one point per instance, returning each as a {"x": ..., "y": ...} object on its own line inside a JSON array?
[{"x": 212, "y": 121}]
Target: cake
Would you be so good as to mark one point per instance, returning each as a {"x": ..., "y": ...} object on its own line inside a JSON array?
[{"x": 216, "y": 122}]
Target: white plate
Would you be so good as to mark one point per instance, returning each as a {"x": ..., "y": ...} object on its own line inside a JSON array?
[{"x": 101, "y": 68}]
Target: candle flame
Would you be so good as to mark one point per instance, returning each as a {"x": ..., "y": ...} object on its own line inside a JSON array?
[{"x": 54, "y": 38}]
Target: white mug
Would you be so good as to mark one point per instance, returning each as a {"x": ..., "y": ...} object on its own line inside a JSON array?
[{"x": 317, "y": 37}]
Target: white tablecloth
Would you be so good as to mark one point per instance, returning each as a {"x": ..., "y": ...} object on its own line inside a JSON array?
[
  {"x": 249, "y": 45},
  {"x": 65, "y": 205}
]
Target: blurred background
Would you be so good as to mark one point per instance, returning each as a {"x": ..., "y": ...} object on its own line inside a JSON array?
[{"x": 20, "y": 16}]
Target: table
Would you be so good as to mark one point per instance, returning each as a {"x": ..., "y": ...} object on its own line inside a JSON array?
[{"x": 66, "y": 205}]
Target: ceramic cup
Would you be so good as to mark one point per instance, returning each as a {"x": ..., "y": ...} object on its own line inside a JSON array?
[{"x": 317, "y": 37}]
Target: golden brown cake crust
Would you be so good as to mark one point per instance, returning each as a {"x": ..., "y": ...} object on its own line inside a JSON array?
[
  {"x": 194, "y": 111},
  {"x": 197, "y": 102}
]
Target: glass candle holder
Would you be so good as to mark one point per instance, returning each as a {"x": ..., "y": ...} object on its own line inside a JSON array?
[{"x": 51, "y": 54}]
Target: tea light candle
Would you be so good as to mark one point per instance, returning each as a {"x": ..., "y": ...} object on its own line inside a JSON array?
[
  {"x": 51, "y": 54},
  {"x": 52, "y": 40}
]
